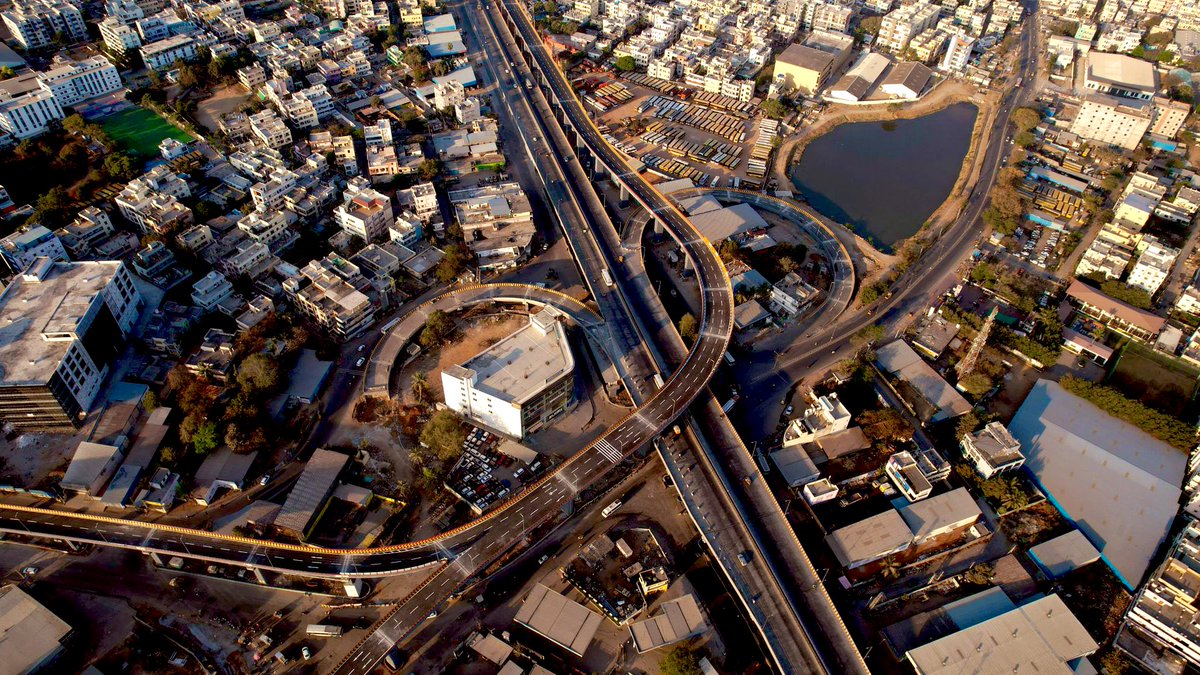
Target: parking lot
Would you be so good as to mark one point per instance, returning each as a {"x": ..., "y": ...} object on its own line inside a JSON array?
[
  {"x": 1040, "y": 246},
  {"x": 485, "y": 476}
]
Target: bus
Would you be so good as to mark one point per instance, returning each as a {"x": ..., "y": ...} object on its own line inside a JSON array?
[
  {"x": 389, "y": 325},
  {"x": 658, "y": 381},
  {"x": 729, "y": 359},
  {"x": 323, "y": 630},
  {"x": 608, "y": 510},
  {"x": 607, "y": 277}
]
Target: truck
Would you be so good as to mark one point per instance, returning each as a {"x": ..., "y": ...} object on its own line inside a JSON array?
[
  {"x": 608, "y": 510},
  {"x": 323, "y": 630},
  {"x": 728, "y": 405},
  {"x": 528, "y": 84},
  {"x": 607, "y": 277},
  {"x": 729, "y": 359}
]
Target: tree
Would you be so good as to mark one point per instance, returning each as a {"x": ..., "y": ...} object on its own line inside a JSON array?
[
  {"x": 870, "y": 25},
  {"x": 429, "y": 169},
  {"x": 869, "y": 334},
  {"x": 168, "y": 455},
  {"x": 149, "y": 401},
  {"x": 967, "y": 424},
  {"x": 7, "y": 72},
  {"x": 625, "y": 64},
  {"x": 1025, "y": 119},
  {"x": 885, "y": 425},
  {"x": 420, "y": 387},
  {"x": 1013, "y": 497},
  {"x": 681, "y": 660},
  {"x": 438, "y": 327},
  {"x": 979, "y": 574},
  {"x": 52, "y": 208},
  {"x": 453, "y": 263},
  {"x": 259, "y": 373},
  {"x": 976, "y": 384},
  {"x": 1126, "y": 294},
  {"x": 205, "y": 439},
  {"x": 245, "y": 437},
  {"x": 121, "y": 167},
  {"x": 444, "y": 434},
  {"x": 74, "y": 123},
  {"x": 774, "y": 108},
  {"x": 688, "y": 329}
]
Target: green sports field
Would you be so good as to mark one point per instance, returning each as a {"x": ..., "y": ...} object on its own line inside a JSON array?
[{"x": 140, "y": 130}]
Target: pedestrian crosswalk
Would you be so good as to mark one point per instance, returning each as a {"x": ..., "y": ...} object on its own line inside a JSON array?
[{"x": 609, "y": 452}]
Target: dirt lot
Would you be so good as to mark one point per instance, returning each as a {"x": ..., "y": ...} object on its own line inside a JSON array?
[
  {"x": 31, "y": 457},
  {"x": 224, "y": 100},
  {"x": 475, "y": 335}
]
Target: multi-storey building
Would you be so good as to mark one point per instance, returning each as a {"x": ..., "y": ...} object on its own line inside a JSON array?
[
  {"x": 521, "y": 383},
  {"x": 163, "y": 54},
  {"x": 992, "y": 450},
  {"x": 270, "y": 228},
  {"x": 91, "y": 227},
  {"x": 211, "y": 290},
  {"x": 365, "y": 213},
  {"x": 1168, "y": 117},
  {"x": 73, "y": 82},
  {"x": 322, "y": 293},
  {"x": 901, "y": 24},
  {"x": 35, "y": 24},
  {"x": 27, "y": 115},
  {"x": 270, "y": 130},
  {"x": 119, "y": 37},
  {"x": 152, "y": 201},
  {"x": 21, "y": 248},
  {"x": 1153, "y": 266},
  {"x": 1115, "y": 121},
  {"x": 1164, "y": 612},
  {"x": 958, "y": 53},
  {"x": 63, "y": 327}
]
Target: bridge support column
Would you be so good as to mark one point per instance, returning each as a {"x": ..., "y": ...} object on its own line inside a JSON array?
[
  {"x": 259, "y": 575},
  {"x": 687, "y": 262},
  {"x": 598, "y": 172},
  {"x": 353, "y": 588},
  {"x": 157, "y": 560},
  {"x": 658, "y": 227},
  {"x": 624, "y": 195}
]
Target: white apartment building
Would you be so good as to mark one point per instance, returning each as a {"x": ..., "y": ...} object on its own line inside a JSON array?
[
  {"x": 1153, "y": 266},
  {"x": 35, "y": 24},
  {"x": 521, "y": 383},
  {"x": 1115, "y": 121},
  {"x": 21, "y": 248},
  {"x": 162, "y": 55},
  {"x": 1164, "y": 611},
  {"x": 326, "y": 297},
  {"x": 74, "y": 81},
  {"x": 65, "y": 325},
  {"x": 211, "y": 290},
  {"x": 901, "y": 24},
  {"x": 992, "y": 450},
  {"x": 249, "y": 259},
  {"x": 365, "y": 213},
  {"x": 449, "y": 94},
  {"x": 27, "y": 115},
  {"x": 269, "y": 195},
  {"x": 824, "y": 417},
  {"x": 958, "y": 53},
  {"x": 272, "y": 229},
  {"x": 119, "y": 37},
  {"x": 270, "y": 130},
  {"x": 1168, "y": 117},
  {"x": 252, "y": 76},
  {"x": 379, "y": 133},
  {"x": 1188, "y": 301}
]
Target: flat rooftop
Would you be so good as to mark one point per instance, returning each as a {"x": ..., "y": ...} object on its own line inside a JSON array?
[
  {"x": 29, "y": 633},
  {"x": 1119, "y": 70},
  {"x": 311, "y": 489},
  {"x": 562, "y": 621},
  {"x": 679, "y": 619},
  {"x": 519, "y": 366},
  {"x": 871, "y": 538},
  {"x": 53, "y": 305}
]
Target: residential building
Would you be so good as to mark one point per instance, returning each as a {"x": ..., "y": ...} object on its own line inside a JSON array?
[
  {"x": 497, "y": 223},
  {"x": 521, "y": 383},
  {"x": 163, "y": 54},
  {"x": 958, "y": 53},
  {"x": 22, "y": 247},
  {"x": 992, "y": 450},
  {"x": 270, "y": 228},
  {"x": 152, "y": 201},
  {"x": 827, "y": 415},
  {"x": 62, "y": 328},
  {"x": 1168, "y": 117},
  {"x": 73, "y": 82},
  {"x": 119, "y": 37},
  {"x": 790, "y": 294},
  {"x": 27, "y": 115},
  {"x": 907, "y": 476},
  {"x": 322, "y": 293},
  {"x": 900, "y": 25},
  {"x": 211, "y": 290},
  {"x": 1116, "y": 315},
  {"x": 1113, "y": 120},
  {"x": 270, "y": 129},
  {"x": 422, "y": 199},
  {"x": 1153, "y": 266},
  {"x": 365, "y": 213},
  {"x": 90, "y": 228},
  {"x": 252, "y": 77},
  {"x": 36, "y": 24}
]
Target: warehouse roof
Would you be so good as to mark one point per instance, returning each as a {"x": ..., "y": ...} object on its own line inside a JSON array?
[
  {"x": 1120, "y": 485},
  {"x": 562, "y": 621},
  {"x": 1064, "y": 553},
  {"x": 30, "y": 634},
  {"x": 313, "y": 486},
  {"x": 940, "y": 513},
  {"x": 900, "y": 360},
  {"x": 870, "y": 539},
  {"x": 679, "y": 620},
  {"x": 721, "y": 224},
  {"x": 1119, "y": 70}
]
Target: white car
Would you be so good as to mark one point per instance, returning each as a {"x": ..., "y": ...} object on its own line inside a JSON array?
[{"x": 359, "y": 363}]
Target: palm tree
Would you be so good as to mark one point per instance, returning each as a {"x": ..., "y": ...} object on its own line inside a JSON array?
[
  {"x": 889, "y": 568},
  {"x": 420, "y": 387},
  {"x": 1014, "y": 497}
]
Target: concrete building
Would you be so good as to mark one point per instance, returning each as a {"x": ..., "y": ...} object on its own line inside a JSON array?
[
  {"x": 907, "y": 476},
  {"x": 74, "y": 81},
  {"x": 36, "y": 24},
  {"x": 1116, "y": 315},
  {"x": 21, "y": 248},
  {"x": 322, "y": 292},
  {"x": 808, "y": 66},
  {"x": 1120, "y": 485},
  {"x": 857, "y": 82},
  {"x": 1153, "y": 266},
  {"x": 1113, "y": 120},
  {"x": 270, "y": 130},
  {"x": 162, "y": 55},
  {"x": 119, "y": 37},
  {"x": 958, "y": 53},
  {"x": 497, "y": 223},
  {"x": 1169, "y": 116},
  {"x": 365, "y": 213},
  {"x": 826, "y": 416},
  {"x": 1120, "y": 75},
  {"x": 520, "y": 384},
  {"x": 992, "y": 450},
  {"x": 900, "y": 25},
  {"x": 28, "y": 114},
  {"x": 211, "y": 290},
  {"x": 62, "y": 328},
  {"x": 907, "y": 80}
]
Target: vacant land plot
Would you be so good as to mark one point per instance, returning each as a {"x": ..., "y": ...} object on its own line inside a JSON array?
[
  {"x": 1165, "y": 384},
  {"x": 140, "y": 130},
  {"x": 224, "y": 100}
]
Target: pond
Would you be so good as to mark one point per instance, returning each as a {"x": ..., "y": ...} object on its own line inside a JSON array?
[{"x": 885, "y": 179}]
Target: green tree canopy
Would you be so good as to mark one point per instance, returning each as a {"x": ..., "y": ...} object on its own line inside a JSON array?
[
  {"x": 259, "y": 373},
  {"x": 774, "y": 108},
  {"x": 438, "y": 327},
  {"x": 626, "y": 64},
  {"x": 688, "y": 328},
  {"x": 681, "y": 660},
  {"x": 444, "y": 434},
  {"x": 206, "y": 438}
]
